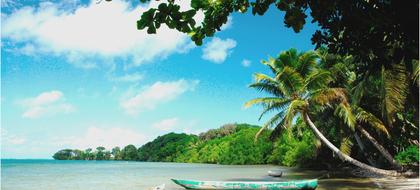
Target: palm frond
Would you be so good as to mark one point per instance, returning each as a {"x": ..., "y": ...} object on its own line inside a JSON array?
[
  {"x": 307, "y": 62},
  {"x": 294, "y": 107},
  {"x": 394, "y": 91},
  {"x": 372, "y": 120},
  {"x": 274, "y": 121},
  {"x": 259, "y": 77},
  {"x": 318, "y": 79},
  {"x": 278, "y": 130},
  {"x": 269, "y": 104},
  {"x": 345, "y": 112},
  {"x": 287, "y": 58},
  {"x": 415, "y": 72},
  {"x": 359, "y": 90},
  {"x": 346, "y": 145},
  {"x": 329, "y": 95},
  {"x": 264, "y": 101},
  {"x": 271, "y": 64},
  {"x": 268, "y": 84},
  {"x": 276, "y": 106},
  {"x": 292, "y": 81}
]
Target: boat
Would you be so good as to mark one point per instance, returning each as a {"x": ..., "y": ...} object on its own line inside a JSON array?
[
  {"x": 233, "y": 185},
  {"x": 275, "y": 173}
]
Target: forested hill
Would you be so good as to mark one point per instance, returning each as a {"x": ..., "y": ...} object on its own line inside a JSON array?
[{"x": 229, "y": 144}]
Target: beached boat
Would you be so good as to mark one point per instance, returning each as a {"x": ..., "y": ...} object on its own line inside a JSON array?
[
  {"x": 233, "y": 185},
  {"x": 275, "y": 173}
]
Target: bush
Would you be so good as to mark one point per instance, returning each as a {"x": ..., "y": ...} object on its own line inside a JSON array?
[
  {"x": 409, "y": 156},
  {"x": 294, "y": 150}
]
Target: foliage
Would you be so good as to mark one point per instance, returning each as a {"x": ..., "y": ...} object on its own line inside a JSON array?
[
  {"x": 234, "y": 144},
  {"x": 166, "y": 148},
  {"x": 294, "y": 148},
  {"x": 129, "y": 152},
  {"x": 230, "y": 144},
  {"x": 343, "y": 25},
  {"x": 409, "y": 156},
  {"x": 297, "y": 84},
  {"x": 225, "y": 130},
  {"x": 65, "y": 154},
  {"x": 238, "y": 148}
]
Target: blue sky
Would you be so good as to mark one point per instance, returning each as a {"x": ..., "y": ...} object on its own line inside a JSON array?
[{"x": 78, "y": 75}]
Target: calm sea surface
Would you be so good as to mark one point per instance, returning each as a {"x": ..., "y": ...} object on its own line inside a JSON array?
[{"x": 101, "y": 175}]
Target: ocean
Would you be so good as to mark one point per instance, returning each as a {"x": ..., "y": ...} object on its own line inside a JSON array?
[{"x": 104, "y": 175}]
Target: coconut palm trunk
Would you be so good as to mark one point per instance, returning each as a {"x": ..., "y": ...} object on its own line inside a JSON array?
[
  {"x": 362, "y": 148},
  {"x": 380, "y": 148},
  {"x": 343, "y": 156}
]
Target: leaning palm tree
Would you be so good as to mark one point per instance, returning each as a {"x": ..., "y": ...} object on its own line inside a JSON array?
[
  {"x": 297, "y": 87},
  {"x": 341, "y": 71}
]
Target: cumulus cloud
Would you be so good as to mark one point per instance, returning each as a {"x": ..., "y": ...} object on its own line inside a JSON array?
[
  {"x": 103, "y": 136},
  {"x": 166, "y": 124},
  {"x": 46, "y": 103},
  {"x": 217, "y": 50},
  {"x": 156, "y": 94},
  {"x": 85, "y": 34},
  {"x": 246, "y": 63}
]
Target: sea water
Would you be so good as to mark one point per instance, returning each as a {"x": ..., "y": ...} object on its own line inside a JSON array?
[{"x": 104, "y": 175}]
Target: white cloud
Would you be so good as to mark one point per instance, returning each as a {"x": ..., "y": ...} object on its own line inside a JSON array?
[
  {"x": 103, "y": 136},
  {"x": 228, "y": 24},
  {"x": 217, "y": 50},
  {"x": 10, "y": 138},
  {"x": 134, "y": 77},
  {"x": 158, "y": 93},
  {"x": 46, "y": 103},
  {"x": 246, "y": 63},
  {"x": 86, "y": 33},
  {"x": 166, "y": 124}
]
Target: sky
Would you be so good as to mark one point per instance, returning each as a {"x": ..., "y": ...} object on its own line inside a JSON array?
[{"x": 78, "y": 74}]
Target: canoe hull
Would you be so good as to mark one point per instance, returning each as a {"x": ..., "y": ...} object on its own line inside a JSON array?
[{"x": 232, "y": 185}]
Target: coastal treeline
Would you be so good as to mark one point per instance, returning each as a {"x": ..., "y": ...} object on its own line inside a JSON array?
[
  {"x": 129, "y": 152},
  {"x": 229, "y": 144}
]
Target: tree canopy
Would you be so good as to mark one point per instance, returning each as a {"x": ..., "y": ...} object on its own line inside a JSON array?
[{"x": 376, "y": 32}]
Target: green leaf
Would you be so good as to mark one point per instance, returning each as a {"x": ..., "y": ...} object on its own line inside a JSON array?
[{"x": 151, "y": 29}]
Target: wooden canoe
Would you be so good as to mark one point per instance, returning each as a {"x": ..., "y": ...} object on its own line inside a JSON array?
[{"x": 233, "y": 185}]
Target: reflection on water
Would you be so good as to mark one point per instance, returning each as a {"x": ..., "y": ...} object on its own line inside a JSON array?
[{"x": 95, "y": 175}]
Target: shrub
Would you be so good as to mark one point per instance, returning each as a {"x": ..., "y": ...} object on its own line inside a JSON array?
[{"x": 409, "y": 156}]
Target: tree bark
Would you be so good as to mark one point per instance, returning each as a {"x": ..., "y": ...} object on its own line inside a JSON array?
[
  {"x": 362, "y": 148},
  {"x": 345, "y": 157},
  {"x": 380, "y": 148}
]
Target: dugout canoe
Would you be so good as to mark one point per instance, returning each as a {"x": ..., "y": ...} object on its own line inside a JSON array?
[{"x": 244, "y": 185}]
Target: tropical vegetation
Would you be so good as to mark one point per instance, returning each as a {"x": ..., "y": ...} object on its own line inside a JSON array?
[
  {"x": 319, "y": 85},
  {"x": 229, "y": 144}
]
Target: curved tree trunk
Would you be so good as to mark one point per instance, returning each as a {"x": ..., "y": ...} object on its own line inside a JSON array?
[
  {"x": 345, "y": 157},
  {"x": 380, "y": 148},
  {"x": 362, "y": 148}
]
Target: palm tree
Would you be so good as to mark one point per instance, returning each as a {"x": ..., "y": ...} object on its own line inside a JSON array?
[
  {"x": 341, "y": 71},
  {"x": 298, "y": 87}
]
